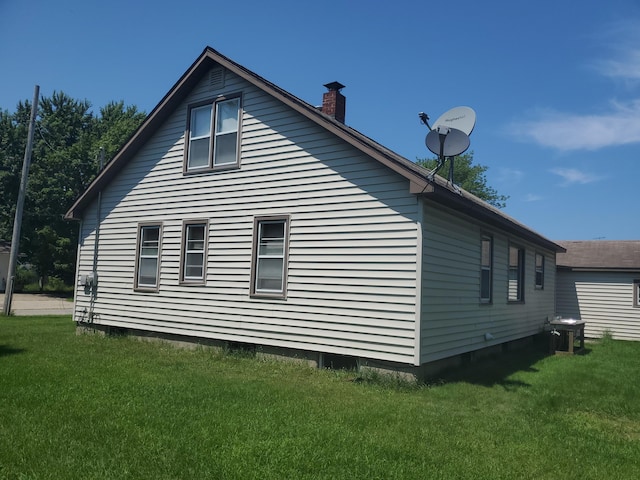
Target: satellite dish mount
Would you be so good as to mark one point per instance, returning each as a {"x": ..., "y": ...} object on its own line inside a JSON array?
[{"x": 449, "y": 136}]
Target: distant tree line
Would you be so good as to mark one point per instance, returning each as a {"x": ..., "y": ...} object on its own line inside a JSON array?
[{"x": 68, "y": 137}]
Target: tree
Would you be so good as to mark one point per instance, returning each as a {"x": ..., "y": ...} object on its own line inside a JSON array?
[
  {"x": 67, "y": 142},
  {"x": 470, "y": 177}
]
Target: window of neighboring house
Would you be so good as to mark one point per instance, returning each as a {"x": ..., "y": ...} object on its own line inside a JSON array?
[
  {"x": 270, "y": 251},
  {"x": 516, "y": 274},
  {"x": 194, "y": 252},
  {"x": 539, "y": 271},
  {"x": 148, "y": 257},
  {"x": 213, "y": 135},
  {"x": 636, "y": 293},
  {"x": 486, "y": 269}
]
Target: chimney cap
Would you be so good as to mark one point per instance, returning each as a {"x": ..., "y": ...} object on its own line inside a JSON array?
[{"x": 334, "y": 86}]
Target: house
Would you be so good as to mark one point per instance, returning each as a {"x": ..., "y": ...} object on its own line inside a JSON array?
[
  {"x": 5, "y": 254},
  {"x": 239, "y": 214},
  {"x": 599, "y": 282}
]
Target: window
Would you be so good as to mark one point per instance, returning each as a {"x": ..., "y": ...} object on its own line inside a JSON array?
[
  {"x": 148, "y": 257},
  {"x": 213, "y": 133},
  {"x": 194, "y": 252},
  {"x": 539, "y": 271},
  {"x": 636, "y": 293},
  {"x": 516, "y": 274},
  {"x": 486, "y": 269},
  {"x": 270, "y": 251}
]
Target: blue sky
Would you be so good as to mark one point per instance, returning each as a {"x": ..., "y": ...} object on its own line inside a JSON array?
[{"x": 555, "y": 84}]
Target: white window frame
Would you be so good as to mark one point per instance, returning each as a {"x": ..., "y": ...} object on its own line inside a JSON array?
[
  {"x": 215, "y": 134},
  {"x": 636, "y": 293},
  {"x": 258, "y": 256},
  {"x": 143, "y": 255},
  {"x": 188, "y": 251}
]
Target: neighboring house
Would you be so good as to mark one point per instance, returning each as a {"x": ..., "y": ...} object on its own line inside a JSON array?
[
  {"x": 599, "y": 282},
  {"x": 5, "y": 253},
  {"x": 240, "y": 213}
]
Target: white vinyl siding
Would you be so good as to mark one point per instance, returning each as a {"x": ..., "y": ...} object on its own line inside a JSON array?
[
  {"x": 453, "y": 321},
  {"x": 605, "y": 300},
  {"x": 351, "y": 284}
]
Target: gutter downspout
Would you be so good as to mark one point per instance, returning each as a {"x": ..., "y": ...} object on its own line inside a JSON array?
[
  {"x": 419, "y": 255},
  {"x": 94, "y": 284}
]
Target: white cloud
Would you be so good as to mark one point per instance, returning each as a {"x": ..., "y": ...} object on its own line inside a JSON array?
[
  {"x": 509, "y": 175},
  {"x": 617, "y": 125},
  {"x": 621, "y": 38},
  {"x": 567, "y": 131},
  {"x": 532, "y": 197},
  {"x": 572, "y": 176},
  {"x": 626, "y": 66}
]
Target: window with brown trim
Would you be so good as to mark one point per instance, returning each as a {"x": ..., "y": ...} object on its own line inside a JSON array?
[
  {"x": 516, "y": 274},
  {"x": 270, "y": 256},
  {"x": 148, "y": 257},
  {"x": 193, "y": 259},
  {"x": 539, "y": 272},
  {"x": 212, "y": 136},
  {"x": 486, "y": 269},
  {"x": 636, "y": 293}
]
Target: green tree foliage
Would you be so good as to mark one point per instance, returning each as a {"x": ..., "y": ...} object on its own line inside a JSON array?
[
  {"x": 65, "y": 159},
  {"x": 469, "y": 176}
]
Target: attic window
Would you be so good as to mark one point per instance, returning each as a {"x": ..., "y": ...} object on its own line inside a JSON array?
[{"x": 213, "y": 135}]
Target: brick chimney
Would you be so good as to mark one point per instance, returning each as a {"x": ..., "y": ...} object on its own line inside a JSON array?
[{"x": 333, "y": 102}]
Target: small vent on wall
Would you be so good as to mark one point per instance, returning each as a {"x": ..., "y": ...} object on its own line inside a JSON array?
[{"x": 216, "y": 78}]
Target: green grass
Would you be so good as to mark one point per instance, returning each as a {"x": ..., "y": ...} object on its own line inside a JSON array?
[{"x": 90, "y": 407}]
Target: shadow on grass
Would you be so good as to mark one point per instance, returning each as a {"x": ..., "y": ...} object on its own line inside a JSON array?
[
  {"x": 498, "y": 369},
  {"x": 5, "y": 351}
]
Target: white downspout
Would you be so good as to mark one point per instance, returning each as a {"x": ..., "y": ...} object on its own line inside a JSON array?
[{"x": 419, "y": 255}]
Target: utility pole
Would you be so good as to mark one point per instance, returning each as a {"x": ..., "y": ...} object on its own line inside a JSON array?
[{"x": 17, "y": 221}]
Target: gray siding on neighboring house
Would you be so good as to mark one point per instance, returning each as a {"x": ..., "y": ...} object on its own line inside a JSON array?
[
  {"x": 353, "y": 237},
  {"x": 453, "y": 320},
  {"x": 603, "y": 299}
]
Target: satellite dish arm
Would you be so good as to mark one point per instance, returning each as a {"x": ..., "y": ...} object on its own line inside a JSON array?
[{"x": 424, "y": 118}]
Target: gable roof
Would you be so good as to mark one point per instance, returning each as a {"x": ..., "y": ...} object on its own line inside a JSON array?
[
  {"x": 600, "y": 255},
  {"x": 420, "y": 183}
]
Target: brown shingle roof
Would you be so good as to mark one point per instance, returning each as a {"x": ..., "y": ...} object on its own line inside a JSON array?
[
  {"x": 419, "y": 181},
  {"x": 600, "y": 254}
]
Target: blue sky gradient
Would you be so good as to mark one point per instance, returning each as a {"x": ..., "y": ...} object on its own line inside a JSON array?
[{"x": 555, "y": 84}]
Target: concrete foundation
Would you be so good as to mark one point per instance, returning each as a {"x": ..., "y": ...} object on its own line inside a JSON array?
[{"x": 402, "y": 371}]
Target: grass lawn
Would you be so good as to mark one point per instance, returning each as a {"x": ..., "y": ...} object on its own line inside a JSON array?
[{"x": 91, "y": 407}]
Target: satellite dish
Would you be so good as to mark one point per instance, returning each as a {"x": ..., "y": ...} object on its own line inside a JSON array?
[
  {"x": 447, "y": 141},
  {"x": 461, "y": 118}
]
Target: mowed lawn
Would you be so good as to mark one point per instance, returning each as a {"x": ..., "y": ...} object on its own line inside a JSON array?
[{"x": 91, "y": 407}]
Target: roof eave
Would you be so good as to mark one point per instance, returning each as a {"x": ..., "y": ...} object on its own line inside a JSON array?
[{"x": 474, "y": 208}]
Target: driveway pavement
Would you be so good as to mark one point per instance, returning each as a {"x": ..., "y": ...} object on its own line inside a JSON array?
[{"x": 23, "y": 304}]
